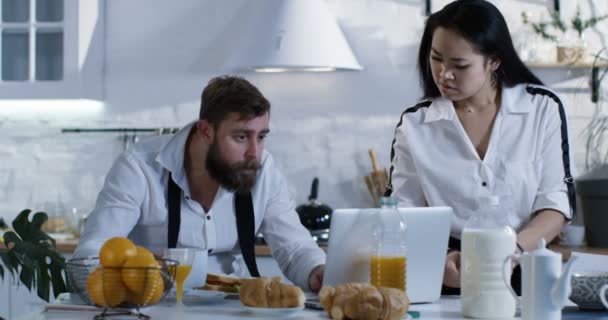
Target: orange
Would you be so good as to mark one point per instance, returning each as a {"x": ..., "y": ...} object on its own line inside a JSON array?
[
  {"x": 140, "y": 271},
  {"x": 150, "y": 295},
  {"x": 116, "y": 251},
  {"x": 105, "y": 287},
  {"x": 141, "y": 249}
]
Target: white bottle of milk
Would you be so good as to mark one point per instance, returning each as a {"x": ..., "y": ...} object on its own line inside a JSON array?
[{"x": 486, "y": 241}]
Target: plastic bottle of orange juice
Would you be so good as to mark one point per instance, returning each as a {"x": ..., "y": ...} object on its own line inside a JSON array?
[{"x": 388, "y": 262}]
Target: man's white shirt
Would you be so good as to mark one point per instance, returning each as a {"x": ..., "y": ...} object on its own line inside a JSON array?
[
  {"x": 133, "y": 203},
  {"x": 434, "y": 162}
]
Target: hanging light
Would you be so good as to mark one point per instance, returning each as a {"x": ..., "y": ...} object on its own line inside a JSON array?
[{"x": 299, "y": 35}]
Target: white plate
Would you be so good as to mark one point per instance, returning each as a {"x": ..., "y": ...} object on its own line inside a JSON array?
[
  {"x": 195, "y": 296},
  {"x": 274, "y": 311}
]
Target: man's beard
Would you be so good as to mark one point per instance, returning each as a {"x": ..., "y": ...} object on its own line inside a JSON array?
[{"x": 239, "y": 177}]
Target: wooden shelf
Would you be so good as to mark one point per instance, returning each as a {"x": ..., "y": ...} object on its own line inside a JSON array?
[
  {"x": 555, "y": 65},
  {"x": 566, "y": 251}
]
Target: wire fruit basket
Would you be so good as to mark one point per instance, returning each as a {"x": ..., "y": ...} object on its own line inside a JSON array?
[{"x": 118, "y": 290}]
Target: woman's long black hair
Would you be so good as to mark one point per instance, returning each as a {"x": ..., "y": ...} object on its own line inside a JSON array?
[{"x": 482, "y": 24}]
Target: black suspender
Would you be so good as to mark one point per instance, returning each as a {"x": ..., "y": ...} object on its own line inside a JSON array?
[
  {"x": 245, "y": 226},
  {"x": 243, "y": 205},
  {"x": 174, "y": 205}
]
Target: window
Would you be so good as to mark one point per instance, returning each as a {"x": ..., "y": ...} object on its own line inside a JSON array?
[
  {"x": 51, "y": 49},
  {"x": 32, "y": 40}
]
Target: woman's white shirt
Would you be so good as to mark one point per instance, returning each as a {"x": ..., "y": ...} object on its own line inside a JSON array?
[{"x": 527, "y": 162}]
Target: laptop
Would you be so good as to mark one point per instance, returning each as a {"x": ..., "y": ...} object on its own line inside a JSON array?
[{"x": 350, "y": 248}]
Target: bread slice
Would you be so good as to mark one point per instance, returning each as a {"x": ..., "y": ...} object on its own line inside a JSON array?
[
  {"x": 223, "y": 283},
  {"x": 222, "y": 280},
  {"x": 227, "y": 289}
]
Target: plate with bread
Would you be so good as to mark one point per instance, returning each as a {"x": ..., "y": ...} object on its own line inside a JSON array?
[
  {"x": 193, "y": 297},
  {"x": 216, "y": 289},
  {"x": 269, "y": 297},
  {"x": 263, "y": 295},
  {"x": 221, "y": 283}
]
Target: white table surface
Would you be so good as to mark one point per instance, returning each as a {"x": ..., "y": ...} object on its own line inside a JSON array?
[{"x": 447, "y": 308}]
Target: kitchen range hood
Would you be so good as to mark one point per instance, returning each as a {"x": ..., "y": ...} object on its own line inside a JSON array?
[{"x": 299, "y": 35}]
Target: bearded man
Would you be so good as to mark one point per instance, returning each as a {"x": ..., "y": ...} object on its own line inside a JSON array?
[{"x": 211, "y": 187}]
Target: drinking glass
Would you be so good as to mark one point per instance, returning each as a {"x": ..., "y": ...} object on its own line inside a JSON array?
[{"x": 185, "y": 258}]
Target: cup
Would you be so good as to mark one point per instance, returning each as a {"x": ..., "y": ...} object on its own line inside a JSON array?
[
  {"x": 185, "y": 258},
  {"x": 198, "y": 275},
  {"x": 603, "y": 292}
]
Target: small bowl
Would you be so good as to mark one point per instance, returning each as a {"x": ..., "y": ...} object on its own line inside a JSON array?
[{"x": 585, "y": 289}]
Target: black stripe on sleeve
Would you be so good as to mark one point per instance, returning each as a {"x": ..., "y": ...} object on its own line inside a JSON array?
[
  {"x": 565, "y": 146},
  {"x": 418, "y": 106}
]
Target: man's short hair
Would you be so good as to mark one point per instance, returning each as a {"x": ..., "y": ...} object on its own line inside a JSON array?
[{"x": 231, "y": 94}]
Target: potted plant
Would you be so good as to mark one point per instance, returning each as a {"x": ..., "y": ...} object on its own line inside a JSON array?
[
  {"x": 558, "y": 31},
  {"x": 32, "y": 254}
]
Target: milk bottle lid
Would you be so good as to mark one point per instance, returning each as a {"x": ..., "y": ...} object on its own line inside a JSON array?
[{"x": 541, "y": 250}]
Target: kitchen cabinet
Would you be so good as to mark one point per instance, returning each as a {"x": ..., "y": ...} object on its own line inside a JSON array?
[{"x": 51, "y": 49}]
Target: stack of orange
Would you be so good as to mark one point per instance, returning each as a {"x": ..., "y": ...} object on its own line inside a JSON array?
[{"x": 128, "y": 273}]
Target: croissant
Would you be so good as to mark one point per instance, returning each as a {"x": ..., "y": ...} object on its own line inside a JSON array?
[
  {"x": 267, "y": 292},
  {"x": 363, "y": 301}
]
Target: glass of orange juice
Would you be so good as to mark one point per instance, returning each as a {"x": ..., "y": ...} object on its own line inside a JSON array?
[{"x": 185, "y": 258}]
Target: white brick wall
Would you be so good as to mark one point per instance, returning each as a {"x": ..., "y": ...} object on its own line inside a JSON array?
[{"x": 322, "y": 124}]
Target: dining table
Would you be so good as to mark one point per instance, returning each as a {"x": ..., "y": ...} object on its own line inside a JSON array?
[
  {"x": 203, "y": 304},
  {"x": 226, "y": 308}
]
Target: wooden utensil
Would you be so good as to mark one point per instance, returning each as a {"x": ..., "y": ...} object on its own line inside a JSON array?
[
  {"x": 371, "y": 189},
  {"x": 378, "y": 178}
]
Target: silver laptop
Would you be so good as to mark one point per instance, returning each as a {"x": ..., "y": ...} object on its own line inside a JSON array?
[{"x": 350, "y": 248}]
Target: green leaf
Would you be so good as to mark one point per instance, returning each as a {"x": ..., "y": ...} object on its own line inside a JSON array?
[
  {"x": 27, "y": 277},
  {"x": 9, "y": 262},
  {"x": 11, "y": 237},
  {"x": 30, "y": 248},
  {"x": 21, "y": 223},
  {"x": 3, "y": 253},
  {"x": 44, "y": 282},
  {"x": 557, "y": 22},
  {"x": 35, "y": 229},
  {"x": 57, "y": 278}
]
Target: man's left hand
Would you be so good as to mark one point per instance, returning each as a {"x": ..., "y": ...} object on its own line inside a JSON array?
[{"x": 315, "y": 279}]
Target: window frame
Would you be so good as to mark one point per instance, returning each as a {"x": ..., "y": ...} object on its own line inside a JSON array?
[
  {"x": 80, "y": 20},
  {"x": 32, "y": 26}
]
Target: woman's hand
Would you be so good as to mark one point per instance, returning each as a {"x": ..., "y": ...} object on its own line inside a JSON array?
[{"x": 451, "y": 273}]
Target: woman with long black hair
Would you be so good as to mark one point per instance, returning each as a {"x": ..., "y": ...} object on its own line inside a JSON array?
[{"x": 486, "y": 127}]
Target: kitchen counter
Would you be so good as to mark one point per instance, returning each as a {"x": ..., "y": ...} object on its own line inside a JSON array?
[
  {"x": 448, "y": 307},
  {"x": 63, "y": 246},
  {"x": 68, "y": 246}
]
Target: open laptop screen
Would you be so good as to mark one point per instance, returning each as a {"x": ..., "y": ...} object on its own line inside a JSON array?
[{"x": 351, "y": 245}]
